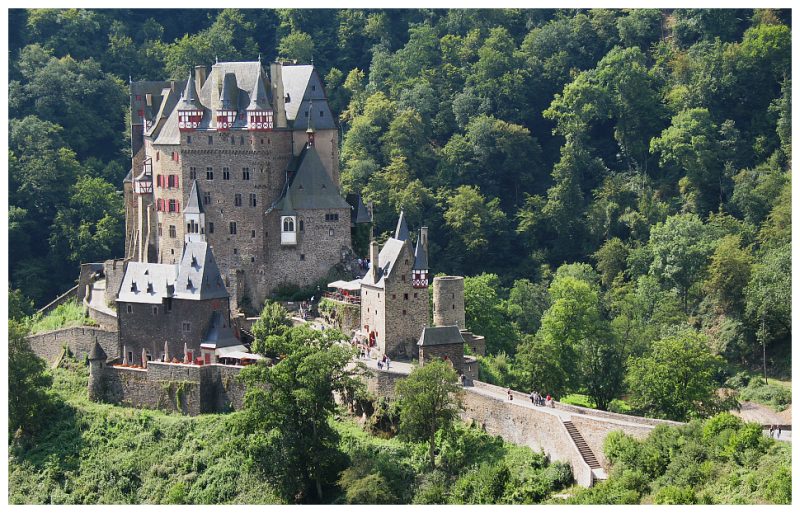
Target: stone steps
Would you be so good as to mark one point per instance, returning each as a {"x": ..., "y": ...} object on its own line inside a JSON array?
[{"x": 586, "y": 452}]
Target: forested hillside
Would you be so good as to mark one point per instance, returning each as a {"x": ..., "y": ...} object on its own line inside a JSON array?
[{"x": 649, "y": 149}]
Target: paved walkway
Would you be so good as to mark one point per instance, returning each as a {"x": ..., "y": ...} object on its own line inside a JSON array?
[{"x": 98, "y": 300}]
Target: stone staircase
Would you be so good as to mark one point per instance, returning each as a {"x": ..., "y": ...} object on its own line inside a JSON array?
[{"x": 586, "y": 453}]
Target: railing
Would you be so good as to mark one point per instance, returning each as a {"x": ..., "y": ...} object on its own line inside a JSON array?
[{"x": 352, "y": 300}]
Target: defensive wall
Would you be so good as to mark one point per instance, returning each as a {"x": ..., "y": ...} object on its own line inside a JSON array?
[
  {"x": 79, "y": 340},
  {"x": 540, "y": 428},
  {"x": 184, "y": 388}
]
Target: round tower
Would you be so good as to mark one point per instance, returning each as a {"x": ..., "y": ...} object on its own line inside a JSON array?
[
  {"x": 97, "y": 360},
  {"x": 448, "y": 301}
]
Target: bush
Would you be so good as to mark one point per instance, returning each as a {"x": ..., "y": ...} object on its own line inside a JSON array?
[
  {"x": 747, "y": 438},
  {"x": 675, "y": 495},
  {"x": 719, "y": 423},
  {"x": 779, "y": 486},
  {"x": 432, "y": 489},
  {"x": 622, "y": 449},
  {"x": 66, "y": 315},
  {"x": 776, "y": 396}
]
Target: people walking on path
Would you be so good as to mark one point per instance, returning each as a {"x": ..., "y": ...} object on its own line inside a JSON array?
[
  {"x": 510, "y": 396},
  {"x": 387, "y": 362},
  {"x": 771, "y": 430}
]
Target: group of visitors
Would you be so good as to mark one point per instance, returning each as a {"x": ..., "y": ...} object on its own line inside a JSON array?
[
  {"x": 538, "y": 399},
  {"x": 775, "y": 431},
  {"x": 363, "y": 263},
  {"x": 384, "y": 362}
]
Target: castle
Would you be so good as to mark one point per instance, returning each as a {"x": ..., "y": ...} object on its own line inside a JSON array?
[{"x": 246, "y": 161}]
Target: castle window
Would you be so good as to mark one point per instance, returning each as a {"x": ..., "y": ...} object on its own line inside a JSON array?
[
  {"x": 158, "y": 155},
  {"x": 233, "y": 227},
  {"x": 210, "y": 139},
  {"x": 306, "y": 113},
  {"x": 226, "y": 173},
  {"x": 332, "y": 217},
  {"x": 233, "y": 140},
  {"x": 209, "y": 173},
  {"x": 130, "y": 309},
  {"x": 241, "y": 139},
  {"x": 322, "y": 114},
  {"x": 404, "y": 312},
  {"x": 252, "y": 259},
  {"x": 192, "y": 173},
  {"x": 313, "y": 87},
  {"x": 235, "y": 251},
  {"x": 252, "y": 201},
  {"x": 173, "y": 205},
  {"x": 415, "y": 295},
  {"x": 237, "y": 200},
  {"x": 330, "y": 232},
  {"x": 288, "y": 224},
  {"x": 405, "y": 297},
  {"x": 301, "y": 225},
  {"x": 206, "y": 198},
  {"x": 172, "y": 232},
  {"x": 210, "y": 227},
  {"x": 187, "y": 327},
  {"x": 403, "y": 277},
  {"x": 253, "y": 234},
  {"x": 172, "y": 181},
  {"x": 245, "y": 173},
  {"x": 394, "y": 296},
  {"x": 288, "y": 98},
  {"x": 188, "y": 139},
  {"x": 155, "y": 310},
  {"x": 302, "y": 256}
]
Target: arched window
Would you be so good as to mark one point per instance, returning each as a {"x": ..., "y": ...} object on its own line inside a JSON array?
[{"x": 288, "y": 224}]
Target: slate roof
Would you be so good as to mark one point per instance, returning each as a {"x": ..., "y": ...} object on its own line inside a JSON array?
[
  {"x": 358, "y": 211},
  {"x": 147, "y": 282},
  {"x": 219, "y": 333},
  {"x": 320, "y": 114},
  {"x": 311, "y": 187},
  {"x": 401, "y": 232},
  {"x": 97, "y": 352},
  {"x": 440, "y": 336},
  {"x": 196, "y": 277},
  {"x": 189, "y": 99},
  {"x": 229, "y": 93},
  {"x": 295, "y": 82},
  {"x": 168, "y": 133},
  {"x": 386, "y": 258},
  {"x": 194, "y": 205},
  {"x": 259, "y": 100},
  {"x": 420, "y": 255}
]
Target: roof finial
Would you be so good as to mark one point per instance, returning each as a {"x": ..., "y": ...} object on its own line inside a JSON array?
[
  {"x": 216, "y": 59},
  {"x": 259, "y": 57}
]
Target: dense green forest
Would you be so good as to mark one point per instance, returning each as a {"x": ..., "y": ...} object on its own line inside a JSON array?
[{"x": 615, "y": 185}]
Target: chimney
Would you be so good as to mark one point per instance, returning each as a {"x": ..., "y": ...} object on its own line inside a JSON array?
[
  {"x": 199, "y": 77},
  {"x": 424, "y": 236},
  {"x": 148, "y": 99},
  {"x": 374, "y": 261}
]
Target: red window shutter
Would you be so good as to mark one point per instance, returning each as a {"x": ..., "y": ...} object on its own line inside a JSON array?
[
  {"x": 177, "y": 181},
  {"x": 177, "y": 206}
]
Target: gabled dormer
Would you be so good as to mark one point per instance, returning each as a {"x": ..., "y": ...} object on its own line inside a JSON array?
[
  {"x": 259, "y": 111},
  {"x": 190, "y": 112}
]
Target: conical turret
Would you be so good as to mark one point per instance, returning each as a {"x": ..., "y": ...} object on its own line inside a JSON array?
[
  {"x": 401, "y": 232},
  {"x": 190, "y": 112},
  {"x": 259, "y": 111}
]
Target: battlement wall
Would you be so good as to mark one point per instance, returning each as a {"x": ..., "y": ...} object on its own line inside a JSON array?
[{"x": 80, "y": 341}]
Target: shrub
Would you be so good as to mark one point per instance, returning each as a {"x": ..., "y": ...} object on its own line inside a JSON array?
[
  {"x": 747, "y": 438},
  {"x": 779, "y": 485},
  {"x": 622, "y": 449},
  {"x": 675, "y": 495},
  {"x": 719, "y": 423},
  {"x": 432, "y": 489},
  {"x": 776, "y": 396}
]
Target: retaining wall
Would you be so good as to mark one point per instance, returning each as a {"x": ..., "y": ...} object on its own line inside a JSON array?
[
  {"x": 80, "y": 341},
  {"x": 189, "y": 389}
]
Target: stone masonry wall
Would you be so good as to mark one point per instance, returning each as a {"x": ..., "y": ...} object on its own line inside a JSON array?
[
  {"x": 448, "y": 301},
  {"x": 189, "y": 389},
  {"x": 80, "y": 341},
  {"x": 115, "y": 272},
  {"x": 406, "y": 308}
]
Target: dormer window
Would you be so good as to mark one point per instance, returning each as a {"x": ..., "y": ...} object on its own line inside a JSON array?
[
  {"x": 150, "y": 289},
  {"x": 288, "y": 230},
  {"x": 134, "y": 288},
  {"x": 288, "y": 98}
]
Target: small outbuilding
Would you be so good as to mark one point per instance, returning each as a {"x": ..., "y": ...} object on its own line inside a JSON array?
[{"x": 442, "y": 343}]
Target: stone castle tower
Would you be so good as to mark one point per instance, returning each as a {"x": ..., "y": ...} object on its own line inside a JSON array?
[
  {"x": 448, "y": 301},
  {"x": 246, "y": 161}
]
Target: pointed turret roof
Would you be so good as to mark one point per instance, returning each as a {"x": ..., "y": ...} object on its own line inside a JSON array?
[
  {"x": 229, "y": 89},
  {"x": 194, "y": 206},
  {"x": 401, "y": 232},
  {"x": 258, "y": 97},
  {"x": 97, "y": 352},
  {"x": 420, "y": 254},
  {"x": 189, "y": 99}
]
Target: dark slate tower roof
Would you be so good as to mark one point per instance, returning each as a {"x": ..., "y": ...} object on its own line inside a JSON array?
[
  {"x": 311, "y": 188},
  {"x": 220, "y": 333},
  {"x": 420, "y": 254},
  {"x": 401, "y": 233},
  {"x": 97, "y": 353},
  {"x": 194, "y": 206},
  {"x": 189, "y": 100},
  {"x": 440, "y": 336},
  {"x": 258, "y": 97},
  {"x": 198, "y": 275}
]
